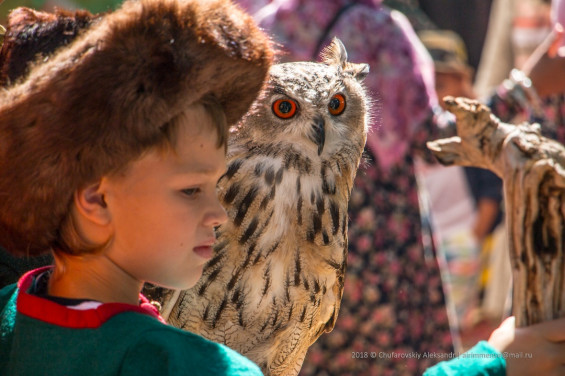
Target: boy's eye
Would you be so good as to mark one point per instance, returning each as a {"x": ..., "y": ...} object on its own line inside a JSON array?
[{"x": 190, "y": 191}]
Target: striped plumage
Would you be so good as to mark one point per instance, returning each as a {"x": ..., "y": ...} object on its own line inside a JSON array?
[{"x": 275, "y": 282}]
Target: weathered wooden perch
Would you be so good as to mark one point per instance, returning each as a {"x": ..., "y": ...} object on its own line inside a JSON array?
[{"x": 533, "y": 170}]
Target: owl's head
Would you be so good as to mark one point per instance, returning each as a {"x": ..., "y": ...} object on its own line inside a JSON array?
[{"x": 314, "y": 106}]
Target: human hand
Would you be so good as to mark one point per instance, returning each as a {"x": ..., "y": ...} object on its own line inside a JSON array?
[
  {"x": 533, "y": 350},
  {"x": 546, "y": 66}
]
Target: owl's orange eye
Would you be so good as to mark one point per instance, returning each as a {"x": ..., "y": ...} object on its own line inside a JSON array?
[
  {"x": 284, "y": 108},
  {"x": 337, "y": 104}
]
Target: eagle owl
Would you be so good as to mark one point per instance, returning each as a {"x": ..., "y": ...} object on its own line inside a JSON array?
[{"x": 275, "y": 282}]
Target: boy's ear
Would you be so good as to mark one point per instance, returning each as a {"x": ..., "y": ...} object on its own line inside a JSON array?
[{"x": 89, "y": 201}]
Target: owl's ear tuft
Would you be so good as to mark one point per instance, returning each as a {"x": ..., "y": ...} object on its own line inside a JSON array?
[
  {"x": 358, "y": 71},
  {"x": 334, "y": 53}
]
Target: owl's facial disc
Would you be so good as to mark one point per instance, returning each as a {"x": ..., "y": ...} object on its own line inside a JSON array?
[{"x": 319, "y": 133}]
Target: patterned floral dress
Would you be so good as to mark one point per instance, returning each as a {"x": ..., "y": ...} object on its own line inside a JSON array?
[{"x": 393, "y": 308}]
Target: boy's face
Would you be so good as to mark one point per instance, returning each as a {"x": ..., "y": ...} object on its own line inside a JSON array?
[
  {"x": 454, "y": 84},
  {"x": 164, "y": 208}
]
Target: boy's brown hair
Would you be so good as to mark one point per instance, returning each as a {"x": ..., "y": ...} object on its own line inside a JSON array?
[{"x": 97, "y": 104}]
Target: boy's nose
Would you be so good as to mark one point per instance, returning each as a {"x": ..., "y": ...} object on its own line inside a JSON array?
[{"x": 217, "y": 214}]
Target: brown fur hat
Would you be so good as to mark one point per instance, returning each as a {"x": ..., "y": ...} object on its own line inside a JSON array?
[
  {"x": 32, "y": 35},
  {"x": 98, "y": 103}
]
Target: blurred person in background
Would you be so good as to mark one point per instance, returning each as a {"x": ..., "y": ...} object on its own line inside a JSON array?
[
  {"x": 465, "y": 201},
  {"x": 535, "y": 90},
  {"x": 515, "y": 29}
]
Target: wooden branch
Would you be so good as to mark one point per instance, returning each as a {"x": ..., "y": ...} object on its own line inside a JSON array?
[{"x": 533, "y": 170}]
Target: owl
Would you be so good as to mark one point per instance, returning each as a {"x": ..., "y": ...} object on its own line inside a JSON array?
[{"x": 275, "y": 282}]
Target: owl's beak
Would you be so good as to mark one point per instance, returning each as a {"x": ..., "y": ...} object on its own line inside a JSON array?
[{"x": 319, "y": 133}]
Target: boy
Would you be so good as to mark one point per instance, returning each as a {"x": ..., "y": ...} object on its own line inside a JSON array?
[{"x": 109, "y": 156}]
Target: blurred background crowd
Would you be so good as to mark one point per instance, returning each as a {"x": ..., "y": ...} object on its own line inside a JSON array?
[{"x": 428, "y": 269}]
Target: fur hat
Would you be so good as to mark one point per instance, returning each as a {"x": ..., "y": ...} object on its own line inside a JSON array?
[
  {"x": 34, "y": 35},
  {"x": 98, "y": 103}
]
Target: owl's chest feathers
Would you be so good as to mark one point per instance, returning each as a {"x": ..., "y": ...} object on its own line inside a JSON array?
[
  {"x": 286, "y": 197},
  {"x": 286, "y": 236}
]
